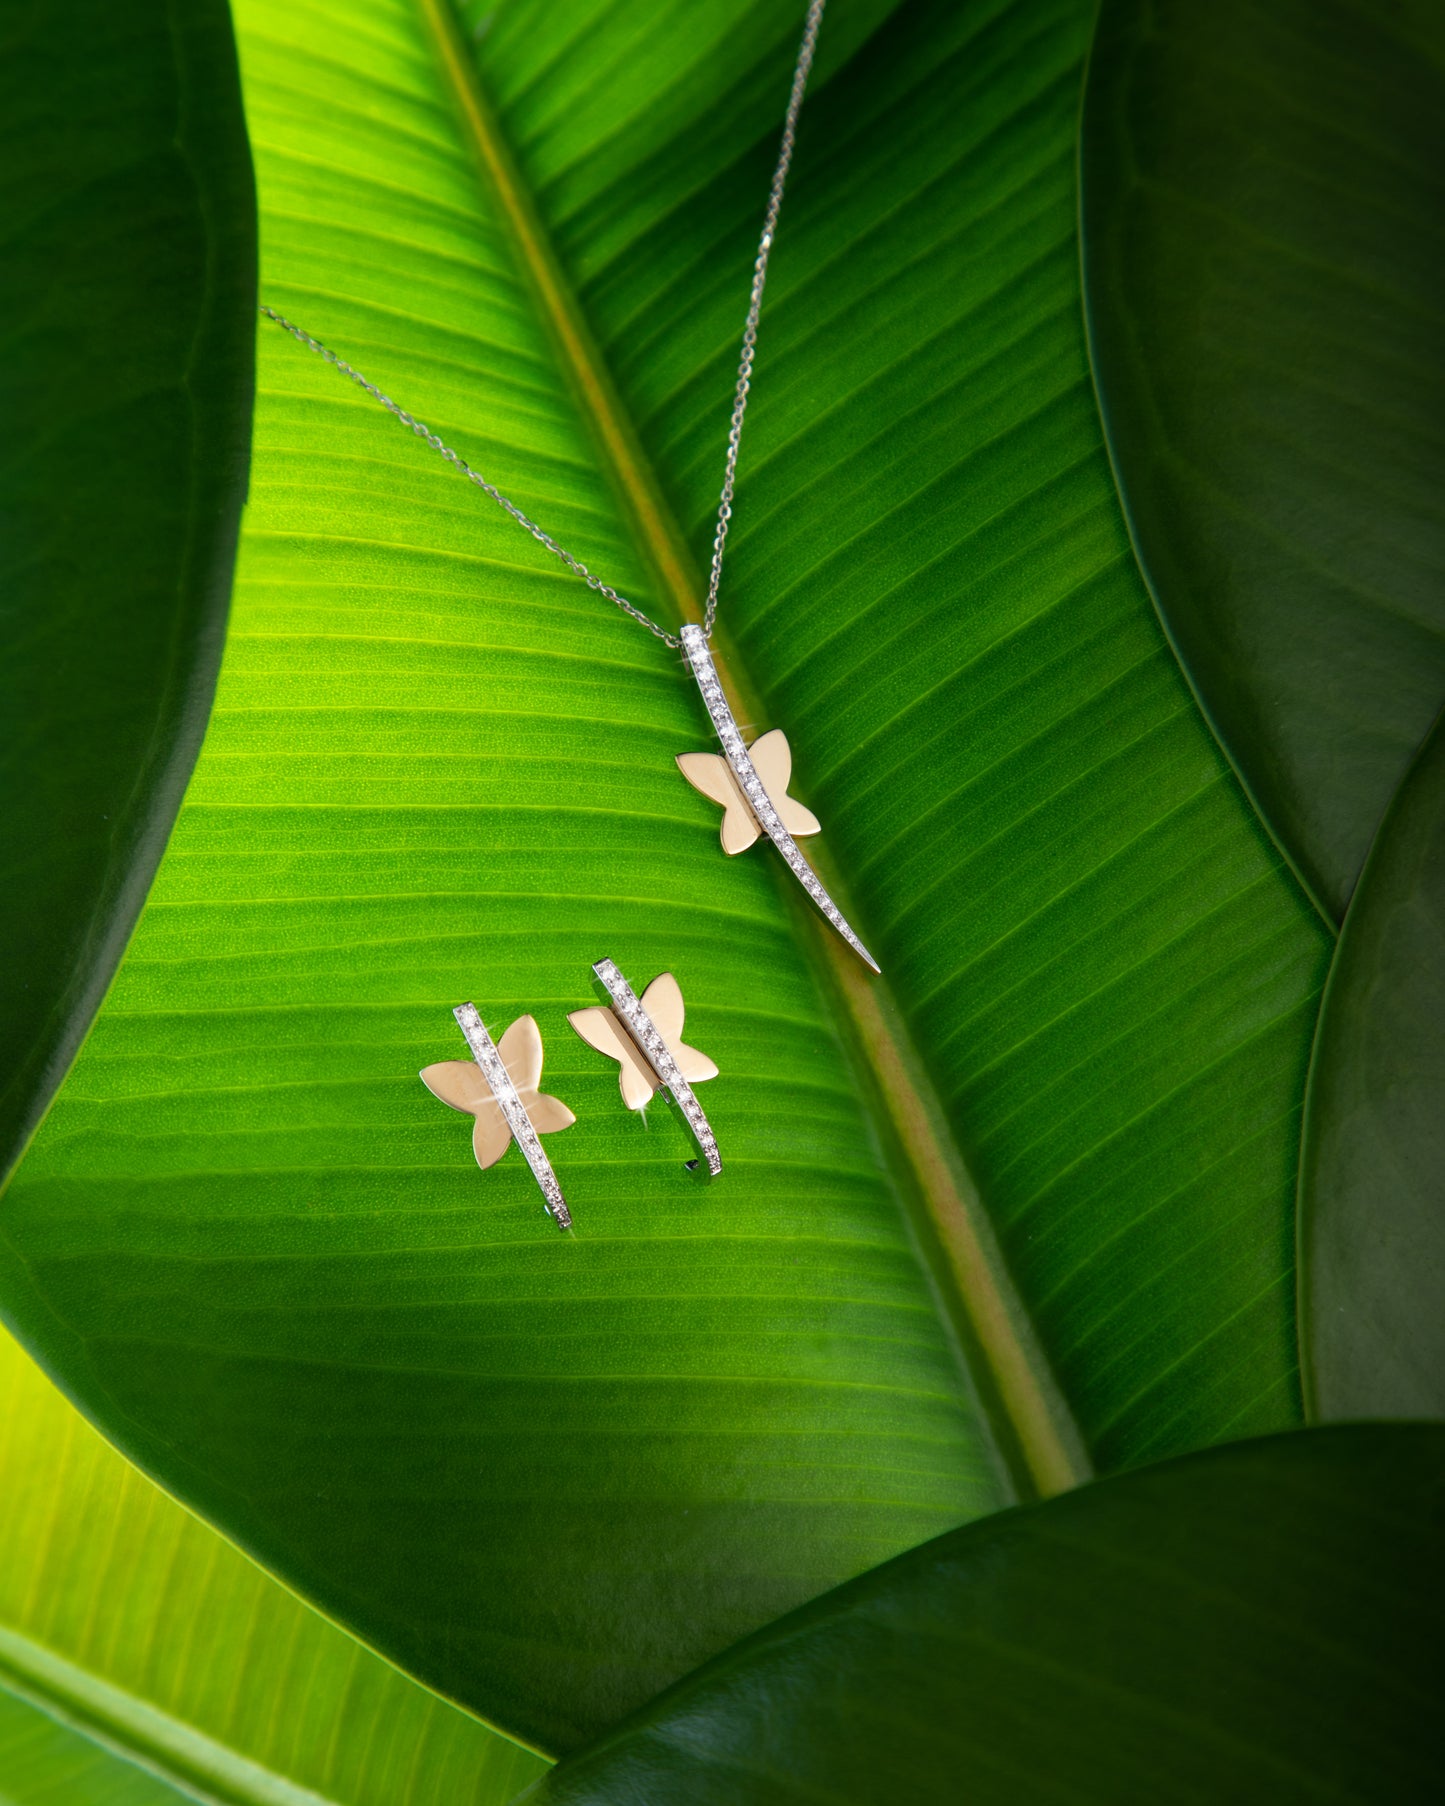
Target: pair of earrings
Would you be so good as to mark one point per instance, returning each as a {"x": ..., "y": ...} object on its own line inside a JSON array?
[{"x": 498, "y": 1086}]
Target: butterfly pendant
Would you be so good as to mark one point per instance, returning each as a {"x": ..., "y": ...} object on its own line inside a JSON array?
[
  {"x": 461, "y": 1084},
  {"x": 644, "y": 1036},
  {"x": 751, "y": 783},
  {"x": 772, "y": 759}
]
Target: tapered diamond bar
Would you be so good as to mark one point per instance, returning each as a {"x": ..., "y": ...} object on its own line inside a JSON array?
[
  {"x": 699, "y": 657},
  {"x": 655, "y": 1051},
  {"x": 484, "y": 1052}
]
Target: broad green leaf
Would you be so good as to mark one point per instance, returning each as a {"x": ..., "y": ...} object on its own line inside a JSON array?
[
  {"x": 1372, "y": 1184},
  {"x": 45, "y": 1762},
  {"x": 127, "y": 283},
  {"x": 1099, "y": 961},
  {"x": 149, "y": 1636},
  {"x": 1264, "y": 257},
  {"x": 1026, "y": 1207},
  {"x": 1255, "y": 1624}
]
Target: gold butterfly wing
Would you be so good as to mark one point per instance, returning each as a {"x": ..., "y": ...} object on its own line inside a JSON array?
[
  {"x": 602, "y": 1032},
  {"x": 490, "y": 1134},
  {"x": 692, "y": 1063},
  {"x": 772, "y": 759},
  {"x": 457, "y": 1082},
  {"x": 663, "y": 1002},
  {"x": 521, "y": 1052},
  {"x": 460, "y": 1083},
  {"x": 711, "y": 774},
  {"x": 548, "y": 1113}
]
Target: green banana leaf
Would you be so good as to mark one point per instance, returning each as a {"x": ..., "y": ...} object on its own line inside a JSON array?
[
  {"x": 1022, "y": 1210},
  {"x": 45, "y": 1762},
  {"x": 1262, "y": 192},
  {"x": 1253, "y": 1624},
  {"x": 1372, "y": 1226},
  {"x": 127, "y": 257},
  {"x": 137, "y": 1644}
]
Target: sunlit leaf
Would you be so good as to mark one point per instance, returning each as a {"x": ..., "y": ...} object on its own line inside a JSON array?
[{"x": 158, "y": 1645}]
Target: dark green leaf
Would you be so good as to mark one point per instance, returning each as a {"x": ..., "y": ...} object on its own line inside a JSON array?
[
  {"x": 127, "y": 283},
  {"x": 551, "y": 1475},
  {"x": 1264, "y": 257},
  {"x": 1372, "y": 1185},
  {"x": 1256, "y": 1624}
]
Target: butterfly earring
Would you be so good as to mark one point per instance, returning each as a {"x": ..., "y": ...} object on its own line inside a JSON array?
[
  {"x": 498, "y": 1086},
  {"x": 644, "y": 1036}
]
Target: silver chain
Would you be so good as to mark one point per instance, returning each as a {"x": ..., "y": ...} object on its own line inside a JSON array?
[
  {"x": 437, "y": 443},
  {"x": 755, "y": 304},
  {"x": 740, "y": 394}
]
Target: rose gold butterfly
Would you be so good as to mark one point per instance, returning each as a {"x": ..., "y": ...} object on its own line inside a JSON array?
[
  {"x": 662, "y": 1000},
  {"x": 461, "y": 1084},
  {"x": 773, "y": 761}
]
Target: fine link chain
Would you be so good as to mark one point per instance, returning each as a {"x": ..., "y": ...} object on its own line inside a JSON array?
[
  {"x": 740, "y": 397},
  {"x": 435, "y": 441},
  {"x": 755, "y": 304}
]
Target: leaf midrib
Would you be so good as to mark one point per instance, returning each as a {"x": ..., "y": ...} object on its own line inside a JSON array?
[
  {"x": 1033, "y": 1427},
  {"x": 140, "y": 1733}
]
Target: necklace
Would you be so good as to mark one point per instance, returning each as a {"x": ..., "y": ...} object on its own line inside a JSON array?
[{"x": 751, "y": 782}]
